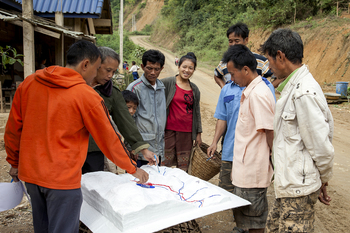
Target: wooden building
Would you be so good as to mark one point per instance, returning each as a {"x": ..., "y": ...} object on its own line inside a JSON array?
[{"x": 44, "y": 30}]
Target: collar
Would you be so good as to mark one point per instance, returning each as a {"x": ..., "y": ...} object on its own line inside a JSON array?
[
  {"x": 160, "y": 84},
  {"x": 246, "y": 92},
  {"x": 283, "y": 84}
]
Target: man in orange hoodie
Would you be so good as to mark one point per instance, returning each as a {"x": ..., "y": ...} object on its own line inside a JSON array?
[{"x": 47, "y": 133}]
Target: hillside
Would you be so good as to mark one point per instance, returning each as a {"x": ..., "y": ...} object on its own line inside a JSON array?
[
  {"x": 326, "y": 46},
  {"x": 145, "y": 11},
  {"x": 326, "y": 37}
]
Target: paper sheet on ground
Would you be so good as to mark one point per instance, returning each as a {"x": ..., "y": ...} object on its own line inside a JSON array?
[
  {"x": 98, "y": 223},
  {"x": 11, "y": 195}
]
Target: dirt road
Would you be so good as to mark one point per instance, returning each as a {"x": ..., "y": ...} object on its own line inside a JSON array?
[{"x": 334, "y": 218}]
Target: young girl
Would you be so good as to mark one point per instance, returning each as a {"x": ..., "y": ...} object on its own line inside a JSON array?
[{"x": 183, "y": 114}]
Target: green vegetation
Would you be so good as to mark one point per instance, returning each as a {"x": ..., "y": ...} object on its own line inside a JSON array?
[
  {"x": 202, "y": 24},
  {"x": 9, "y": 56},
  {"x": 132, "y": 52}
]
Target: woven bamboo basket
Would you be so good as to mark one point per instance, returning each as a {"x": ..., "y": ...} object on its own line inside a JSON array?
[{"x": 200, "y": 167}]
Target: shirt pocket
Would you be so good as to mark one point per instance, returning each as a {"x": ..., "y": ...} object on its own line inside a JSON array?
[
  {"x": 289, "y": 125},
  {"x": 229, "y": 103}
]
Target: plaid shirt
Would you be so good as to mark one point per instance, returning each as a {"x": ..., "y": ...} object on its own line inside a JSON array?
[{"x": 262, "y": 68}]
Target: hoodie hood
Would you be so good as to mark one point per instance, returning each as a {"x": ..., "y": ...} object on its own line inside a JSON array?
[{"x": 59, "y": 77}]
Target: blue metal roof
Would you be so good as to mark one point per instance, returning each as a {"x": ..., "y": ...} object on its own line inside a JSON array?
[{"x": 68, "y": 6}]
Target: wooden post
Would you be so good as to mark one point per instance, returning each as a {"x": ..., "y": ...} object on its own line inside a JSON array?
[
  {"x": 59, "y": 48},
  {"x": 348, "y": 8},
  {"x": 77, "y": 25},
  {"x": 295, "y": 11},
  {"x": 28, "y": 38},
  {"x": 337, "y": 8},
  {"x": 1, "y": 99},
  {"x": 121, "y": 17}
]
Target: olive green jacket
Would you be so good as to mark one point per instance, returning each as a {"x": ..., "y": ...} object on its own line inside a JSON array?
[{"x": 124, "y": 121}]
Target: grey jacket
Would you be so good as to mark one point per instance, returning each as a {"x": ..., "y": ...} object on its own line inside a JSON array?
[
  {"x": 170, "y": 89},
  {"x": 150, "y": 115}
]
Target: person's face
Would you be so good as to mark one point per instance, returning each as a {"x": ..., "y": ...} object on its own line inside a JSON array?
[
  {"x": 107, "y": 70},
  {"x": 131, "y": 107},
  {"x": 90, "y": 71},
  {"x": 152, "y": 71},
  {"x": 233, "y": 40},
  {"x": 237, "y": 76},
  {"x": 186, "y": 69},
  {"x": 276, "y": 67}
]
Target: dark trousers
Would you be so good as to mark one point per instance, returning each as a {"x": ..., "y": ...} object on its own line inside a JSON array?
[
  {"x": 55, "y": 211},
  {"x": 94, "y": 162}
]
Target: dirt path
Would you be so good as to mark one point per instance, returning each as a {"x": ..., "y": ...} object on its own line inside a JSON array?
[{"x": 334, "y": 218}]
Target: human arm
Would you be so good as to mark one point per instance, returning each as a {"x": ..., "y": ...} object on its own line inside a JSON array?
[
  {"x": 198, "y": 140},
  {"x": 219, "y": 81},
  {"x": 219, "y": 74},
  {"x": 96, "y": 120},
  {"x": 269, "y": 138},
  {"x": 219, "y": 131},
  {"x": 13, "y": 133}
]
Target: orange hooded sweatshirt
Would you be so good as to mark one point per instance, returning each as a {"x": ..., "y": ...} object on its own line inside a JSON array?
[{"x": 47, "y": 132}]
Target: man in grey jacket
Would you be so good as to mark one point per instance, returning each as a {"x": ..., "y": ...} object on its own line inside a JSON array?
[
  {"x": 302, "y": 148},
  {"x": 150, "y": 115}
]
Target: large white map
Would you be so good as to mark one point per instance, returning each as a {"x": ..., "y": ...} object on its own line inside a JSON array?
[{"x": 170, "y": 196}]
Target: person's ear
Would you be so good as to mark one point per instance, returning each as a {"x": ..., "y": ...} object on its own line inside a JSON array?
[
  {"x": 280, "y": 56},
  {"x": 245, "y": 69},
  {"x": 246, "y": 40},
  {"x": 85, "y": 64},
  {"x": 143, "y": 68}
]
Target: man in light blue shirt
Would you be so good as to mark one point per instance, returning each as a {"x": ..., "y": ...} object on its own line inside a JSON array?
[{"x": 227, "y": 114}]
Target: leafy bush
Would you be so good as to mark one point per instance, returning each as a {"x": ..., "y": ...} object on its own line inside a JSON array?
[{"x": 9, "y": 56}]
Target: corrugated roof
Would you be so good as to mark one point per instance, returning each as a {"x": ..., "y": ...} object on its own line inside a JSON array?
[
  {"x": 41, "y": 22},
  {"x": 68, "y": 6}
]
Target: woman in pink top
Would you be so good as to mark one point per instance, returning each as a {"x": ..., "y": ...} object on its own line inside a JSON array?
[{"x": 183, "y": 114}]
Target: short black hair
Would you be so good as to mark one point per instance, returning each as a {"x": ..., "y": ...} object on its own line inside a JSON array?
[
  {"x": 189, "y": 56},
  {"x": 240, "y": 29},
  {"x": 81, "y": 50},
  {"x": 153, "y": 56},
  {"x": 241, "y": 56},
  {"x": 130, "y": 96},
  {"x": 288, "y": 42}
]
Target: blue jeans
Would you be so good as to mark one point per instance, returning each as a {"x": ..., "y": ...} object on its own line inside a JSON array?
[
  {"x": 54, "y": 210},
  {"x": 136, "y": 75}
]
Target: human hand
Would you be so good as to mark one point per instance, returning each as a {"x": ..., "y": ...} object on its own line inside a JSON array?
[
  {"x": 141, "y": 175},
  {"x": 14, "y": 174},
  {"x": 323, "y": 196},
  {"x": 211, "y": 150},
  {"x": 151, "y": 157},
  {"x": 198, "y": 140}
]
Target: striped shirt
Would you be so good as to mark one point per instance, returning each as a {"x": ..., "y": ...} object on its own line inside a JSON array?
[{"x": 262, "y": 68}]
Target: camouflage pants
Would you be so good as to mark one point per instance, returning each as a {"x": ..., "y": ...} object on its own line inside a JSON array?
[
  {"x": 225, "y": 176},
  {"x": 292, "y": 214}
]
